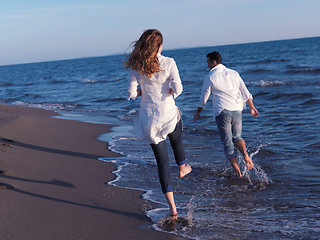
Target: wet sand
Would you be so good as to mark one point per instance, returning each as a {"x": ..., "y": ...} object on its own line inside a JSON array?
[{"x": 53, "y": 186}]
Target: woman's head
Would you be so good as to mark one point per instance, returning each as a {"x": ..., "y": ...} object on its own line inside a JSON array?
[
  {"x": 150, "y": 40},
  {"x": 144, "y": 55}
]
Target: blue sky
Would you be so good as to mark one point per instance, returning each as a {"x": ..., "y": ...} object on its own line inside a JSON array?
[{"x": 35, "y": 31}]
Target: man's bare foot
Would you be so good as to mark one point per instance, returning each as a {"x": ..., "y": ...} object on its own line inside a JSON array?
[
  {"x": 249, "y": 163},
  {"x": 234, "y": 163},
  {"x": 184, "y": 170},
  {"x": 237, "y": 170}
]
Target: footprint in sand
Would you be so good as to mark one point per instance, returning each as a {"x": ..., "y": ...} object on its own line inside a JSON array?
[
  {"x": 5, "y": 145},
  {"x": 5, "y": 172},
  {"x": 5, "y": 185}
]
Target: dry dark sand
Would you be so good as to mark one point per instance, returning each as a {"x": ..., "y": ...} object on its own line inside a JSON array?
[{"x": 53, "y": 186}]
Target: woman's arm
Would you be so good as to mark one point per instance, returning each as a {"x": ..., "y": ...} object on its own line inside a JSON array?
[
  {"x": 133, "y": 90},
  {"x": 175, "y": 81}
]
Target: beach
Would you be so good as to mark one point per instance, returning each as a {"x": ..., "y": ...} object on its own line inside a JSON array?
[
  {"x": 60, "y": 187},
  {"x": 54, "y": 187}
]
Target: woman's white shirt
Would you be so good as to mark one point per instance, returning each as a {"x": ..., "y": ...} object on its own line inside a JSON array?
[{"x": 158, "y": 115}]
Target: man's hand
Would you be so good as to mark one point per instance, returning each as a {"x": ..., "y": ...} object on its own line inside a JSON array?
[
  {"x": 197, "y": 114},
  {"x": 254, "y": 112}
]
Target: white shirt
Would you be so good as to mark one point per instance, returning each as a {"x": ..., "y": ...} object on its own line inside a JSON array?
[
  {"x": 158, "y": 115},
  {"x": 228, "y": 90}
]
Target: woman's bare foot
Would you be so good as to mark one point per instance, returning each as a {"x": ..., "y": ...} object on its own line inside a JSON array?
[
  {"x": 172, "y": 205},
  {"x": 184, "y": 170},
  {"x": 173, "y": 213},
  {"x": 249, "y": 163}
]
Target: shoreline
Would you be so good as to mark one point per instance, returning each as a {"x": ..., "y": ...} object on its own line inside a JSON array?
[{"x": 59, "y": 188}]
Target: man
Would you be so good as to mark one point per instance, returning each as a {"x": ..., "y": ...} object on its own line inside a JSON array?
[{"x": 229, "y": 95}]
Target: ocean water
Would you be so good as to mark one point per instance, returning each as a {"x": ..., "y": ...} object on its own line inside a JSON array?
[{"x": 279, "y": 199}]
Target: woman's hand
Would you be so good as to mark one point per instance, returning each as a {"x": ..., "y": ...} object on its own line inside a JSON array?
[
  {"x": 171, "y": 91},
  {"x": 139, "y": 92}
]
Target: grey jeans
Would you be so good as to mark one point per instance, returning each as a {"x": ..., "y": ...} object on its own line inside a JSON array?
[{"x": 230, "y": 127}]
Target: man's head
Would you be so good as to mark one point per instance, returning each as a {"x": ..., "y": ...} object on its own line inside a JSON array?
[{"x": 213, "y": 59}]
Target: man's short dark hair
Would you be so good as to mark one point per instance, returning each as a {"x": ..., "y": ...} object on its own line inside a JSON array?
[{"x": 215, "y": 56}]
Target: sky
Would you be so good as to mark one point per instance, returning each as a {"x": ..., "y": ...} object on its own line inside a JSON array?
[{"x": 36, "y": 31}]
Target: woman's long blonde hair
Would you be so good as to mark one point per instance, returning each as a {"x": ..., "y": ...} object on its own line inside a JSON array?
[{"x": 144, "y": 58}]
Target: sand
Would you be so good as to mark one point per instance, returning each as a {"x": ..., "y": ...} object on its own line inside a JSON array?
[{"x": 53, "y": 186}]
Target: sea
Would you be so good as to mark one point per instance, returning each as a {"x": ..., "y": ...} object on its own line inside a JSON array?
[{"x": 278, "y": 199}]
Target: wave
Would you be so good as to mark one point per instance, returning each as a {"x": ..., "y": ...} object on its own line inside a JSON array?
[
  {"x": 92, "y": 81},
  {"x": 6, "y": 84},
  {"x": 291, "y": 96},
  {"x": 115, "y": 79},
  {"x": 49, "y": 106},
  {"x": 87, "y": 80},
  {"x": 127, "y": 117},
  {"x": 265, "y": 83},
  {"x": 268, "y": 61},
  {"x": 110, "y": 100},
  {"x": 307, "y": 70},
  {"x": 27, "y": 95},
  {"x": 263, "y": 152},
  {"x": 258, "y": 71},
  {"x": 57, "y": 81},
  {"x": 312, "y": 102},
  {"x": 261, "y": 94},
  {"x": 314, "y": 145},
  {"x": 310, "y": 98}
]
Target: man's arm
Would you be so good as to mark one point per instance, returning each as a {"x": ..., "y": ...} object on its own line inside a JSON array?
[
  {"x": 253, "y": 110},
  {"x": 205, "y": 94}
]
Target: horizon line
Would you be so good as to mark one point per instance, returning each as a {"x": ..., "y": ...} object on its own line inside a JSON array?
[{"x": 172, "y": 49}]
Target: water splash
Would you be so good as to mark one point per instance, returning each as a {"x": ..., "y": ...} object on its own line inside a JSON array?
[
  {"x": 190, "y": 208},
  {"x": 256, "y": 177}
]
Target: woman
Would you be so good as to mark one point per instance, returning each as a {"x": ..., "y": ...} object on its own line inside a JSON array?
[{"x": 158, "y": 117}]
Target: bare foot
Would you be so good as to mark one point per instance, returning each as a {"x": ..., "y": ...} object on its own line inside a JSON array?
[
  {"x": 174, "y": 217},
  {"x": 173, "y": 213},
  {"x": 184, "y": 170},
  {"x": 172, "y": 205},
  {"x": 234, "y": 163},
  {"x": 249, "y": 163},
  {"x": 237, "y": 170}
]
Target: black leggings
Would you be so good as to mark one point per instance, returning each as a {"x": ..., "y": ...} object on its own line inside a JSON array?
[{"x": 161, "y": 154}]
